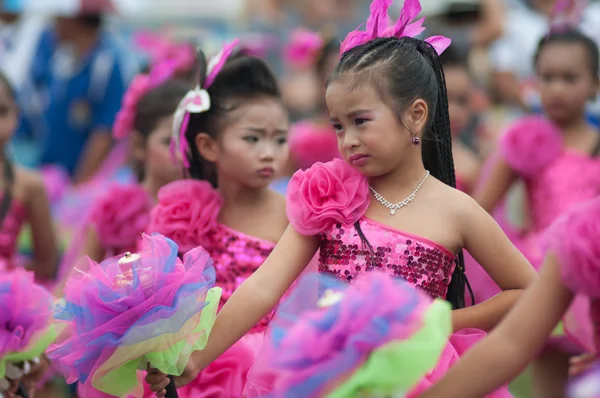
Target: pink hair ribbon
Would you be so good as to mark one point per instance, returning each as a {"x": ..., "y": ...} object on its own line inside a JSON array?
[
  {"x": 140, "y": 86},
  {"x": 567, "y": 13},
  {"x": 161, "y": 49},
  {"x": 378, "y": 25},
  {"x": 196, "y": 101}
]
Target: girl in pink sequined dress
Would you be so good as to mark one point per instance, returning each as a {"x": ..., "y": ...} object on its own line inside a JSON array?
[
  {"x": 23, "y": 199},
  {"x": 557, "y": 158},
  {"x": 571, "y": 267},
  {"x": 389, "y": 205},
  {"x": 118, "y": 217},
  {"x": 231, "y": 136}
]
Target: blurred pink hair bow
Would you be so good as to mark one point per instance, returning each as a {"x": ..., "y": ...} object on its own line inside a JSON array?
[
  {"x": 196, "y": 101},
  {"x": 567, "y": 13},
  {"x": 378, "y": 25},
  {"x": 161, "y": 49},
  {"x": 140, "y": 86},
  {"x": 303, "y": 48}
]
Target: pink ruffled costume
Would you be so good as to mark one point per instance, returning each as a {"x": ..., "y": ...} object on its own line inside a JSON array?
[
  {"x": 556, "y": 178},
  {"x": 326, "y": 201},
  {"x": 187, "y": 212}
]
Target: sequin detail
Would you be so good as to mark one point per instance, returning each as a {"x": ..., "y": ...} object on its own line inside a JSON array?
[
  {"x": 236, "y": 256},
  {"x": 419, "y": 262}
]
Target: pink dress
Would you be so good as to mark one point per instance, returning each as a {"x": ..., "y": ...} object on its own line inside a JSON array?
[
  {"x": 9, "y": 234},
  {"x": 556, "y": 178},
  {"x": 329, "y": 200}
]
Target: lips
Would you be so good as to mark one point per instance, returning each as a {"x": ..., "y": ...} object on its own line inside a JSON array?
[
  {"x": 358, "y": 159},
  {"x": 266, "y": 172}
]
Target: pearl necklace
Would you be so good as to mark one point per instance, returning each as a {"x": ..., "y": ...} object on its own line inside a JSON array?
[{"x": 393, "y": 207}]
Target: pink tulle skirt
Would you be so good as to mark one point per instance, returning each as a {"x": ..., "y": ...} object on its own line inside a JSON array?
[{"x": 226, "y": 377}]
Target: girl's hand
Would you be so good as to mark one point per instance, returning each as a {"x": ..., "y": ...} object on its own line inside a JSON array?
[
  {"x": 33, "y": 373},
  {"x": 581, "y": 363},
  {"x": 158, "y": 381}
]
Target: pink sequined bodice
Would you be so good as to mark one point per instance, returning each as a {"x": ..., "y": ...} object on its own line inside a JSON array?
[
  {"x": 236, "y": 256},
  {"x": 424, "y": 264},
  {"x": 570, "y": 179},
  {"x": 11, "y": 228}
]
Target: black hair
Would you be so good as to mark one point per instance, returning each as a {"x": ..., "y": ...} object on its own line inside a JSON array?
[
  {"x": 242, "y": 78},
  {"x": 331, "y": 47},
  {"x": 91, "y": 20},
  {"x": 574, "y": 36},
  {"x": 156, "y": 104},
  {"x": 404, "y": 70},
  {"x": 9, "y": 87}
]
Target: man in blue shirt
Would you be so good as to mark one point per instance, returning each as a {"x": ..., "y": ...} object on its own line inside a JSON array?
[{"x": 81, "y": 75}]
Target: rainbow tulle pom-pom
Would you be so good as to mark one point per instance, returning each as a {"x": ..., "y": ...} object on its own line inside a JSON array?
[
  {"x": 148, "y": 308},
  {"x": 26, "y": 327},
  {"x": 375, "y": 337},
  {"x": 586, "y": 386}
]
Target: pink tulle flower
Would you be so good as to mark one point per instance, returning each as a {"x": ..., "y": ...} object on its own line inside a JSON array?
[
  {"x": 378, "y": 26},
  {"x": 310, "y": 144},
  {"x": 530, "y": 144},
  {"x": 325, "y": 194},
  {"x": 121, "y": 215},
  {"x": 574, "y": 238},
  {"x": 186, "y": 212},
  {"x": 303, "y": 48},
  {"x": 25, "y": 309}
]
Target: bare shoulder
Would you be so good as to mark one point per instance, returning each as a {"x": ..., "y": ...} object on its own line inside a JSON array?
[
  {"x": 457, "y": 205},
  {"x": 278, "y": 204},
  {"x": 29, "y": 184}
]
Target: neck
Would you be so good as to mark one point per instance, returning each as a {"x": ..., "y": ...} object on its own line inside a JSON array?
[
  {"x": 572, "y": 126},
  {"x": 85, "y": 41},
  {"x": 152, "y": 187},
  {"x": 401, "y": 182},
  {"x": 237, "y": 195}
]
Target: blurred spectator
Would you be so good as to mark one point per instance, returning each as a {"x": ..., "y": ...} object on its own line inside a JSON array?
[{"x": 81, "y": 74}]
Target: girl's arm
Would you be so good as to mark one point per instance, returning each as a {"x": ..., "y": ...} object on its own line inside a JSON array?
[
  {"x": 45, "y": 250},
  {"x": 485, "y": 241},
  {"x": 503, "y": 354},
  {"x": 495, "y": 185},
  {"x": 255, "y": 298}
]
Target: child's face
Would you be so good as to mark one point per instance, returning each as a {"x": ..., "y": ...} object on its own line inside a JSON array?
[
  {"x": 157, "y": 158},
  {"x": 565, "y": 81},
  {"x": 252, "y": 150},
  {"x": 459, "y": 86},
  {"x": 365, "y": 125},
  {"x": 8, "y": 114}
]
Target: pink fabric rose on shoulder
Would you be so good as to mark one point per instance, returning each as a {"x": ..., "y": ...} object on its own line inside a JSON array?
[
  {"x": 530, "y": 144},
  {"x": 574, "y": 239},
  {"x": 327, "y": 193},
  {"x": 186, "y": 212},
  {"x": 121, "y": 215}
]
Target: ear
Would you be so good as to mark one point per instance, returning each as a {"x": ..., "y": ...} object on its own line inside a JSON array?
[
  {"x": 207, "y": 147},
  {"x": 416, "y": 116},
  {"x": 138, "y": 147}
]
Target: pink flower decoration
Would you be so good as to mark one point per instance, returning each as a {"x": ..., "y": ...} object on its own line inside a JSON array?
[
  {"x": 186, "y": 212},
  {"x": 303, "y": 48},
  {"x": 378, "y": 25},
  {"x": 121, "y": 215},
  {"x": 530, "y": 144},
  {"x": 161, "y": 49},
  {"x": 310, "y": 144},
  {"x": 574, "y": 239},
  {"x": 325, "y": 194}
]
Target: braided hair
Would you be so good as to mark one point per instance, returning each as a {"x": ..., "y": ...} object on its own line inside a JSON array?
[
  {"x": 242, "y": 78},
  {"x": 403, "y": 70}
]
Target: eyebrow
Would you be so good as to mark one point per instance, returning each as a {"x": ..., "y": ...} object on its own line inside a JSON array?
[
  {"x": 264, "y": 131},
  {"x": 350, "y": 115}
]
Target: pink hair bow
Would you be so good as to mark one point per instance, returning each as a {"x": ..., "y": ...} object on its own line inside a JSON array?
[
  {"x": 378, "y": 25},
  {"x": 196, "y": 101},
  {"x": 567, "y": 13},
  {"x": 303, "y": 48},
  {"x": 161, "y": 49},
  {"x": 140, "y": 86}
]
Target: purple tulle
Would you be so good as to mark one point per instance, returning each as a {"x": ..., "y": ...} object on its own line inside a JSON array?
[
  {"x": 109, "y": 305},
  {"x": 586, "y": 386},
  {"x": 25, "y": 309}
]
